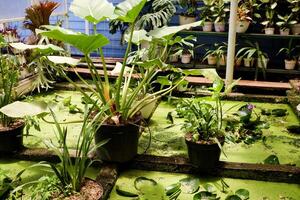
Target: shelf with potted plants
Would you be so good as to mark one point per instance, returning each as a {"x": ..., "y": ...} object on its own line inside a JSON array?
[{"x": 268, "y": 15}]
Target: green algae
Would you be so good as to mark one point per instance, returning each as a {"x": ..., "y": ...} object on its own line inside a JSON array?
[
  {"x": 258, "y": 189},
  {"x": 170, "y": 142}
]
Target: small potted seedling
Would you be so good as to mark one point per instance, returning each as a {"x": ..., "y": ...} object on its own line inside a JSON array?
[
  {"x": 206, "y": 15},
  {"x": 219, "y": 10},
  {"x": 268, "y": 17},
  {"x": 189, "y": 14},
  {"x": 285, "y": 23},
  {"x": 291, "y": 58},
  {"x": 216, "y": 56},
  {"x": 187, "y": 55},
  {"x": 203, "y": 126},
  {"x": 295, "y": 11},
  {"x": 244, "y": 18}
]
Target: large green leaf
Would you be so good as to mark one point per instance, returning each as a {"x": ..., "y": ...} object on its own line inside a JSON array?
[
  {"x": 63, "y": 60},
  {"x": 22, "y": 47},
  {"x": 93, "y": 11},
  {"x": 243, "y": 194},
  {"x": 169, "y": 31},
  {"x": 272, "y": 160},
  {"x": 189, "y": 185},
  {"x": 129, "y": 10},
  {"x": 20, "y": 109},
  {"x": 85, "y": 43},
  {"x": 138, "y": 36}
]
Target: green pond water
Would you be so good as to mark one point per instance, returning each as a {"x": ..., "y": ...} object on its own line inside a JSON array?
[
  {"x": 170, "y": 142},
  {"x": 259, "y": 190}
]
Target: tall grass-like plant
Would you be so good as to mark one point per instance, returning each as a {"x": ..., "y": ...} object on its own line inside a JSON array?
[
  {"x": 124, "y": 101},
  {"x": 8, "y": 79},
  {"x": 72, "y": 169}
]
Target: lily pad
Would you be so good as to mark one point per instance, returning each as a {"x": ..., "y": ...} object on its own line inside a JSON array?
[
  {"x": 279, "y": 112},
  {"x": 124, "y": 193},
  {"x": 209, "y": 188},
  {"x": 272, "y": 160},
  {"x": 172, "y": 188},
  {"x": 233, "y": 197},
  {"x": 189, "y": 185},
  {"x": 243, "y": 194},
  {"x": 142, "y": 181},
  {"x": 204, "y": 195}
]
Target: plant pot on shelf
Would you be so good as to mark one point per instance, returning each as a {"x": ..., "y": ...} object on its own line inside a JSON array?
[
  {"x": 242, "y": 26},
  {"x": 222, "y": 61},
  {"x": 173, "y": 58},
  {"x": 296, "y": 29},
  {"x": 290, "y": 64},
  {"x": 123, "y": 142},
  {"x": 262, "y": 62},
  {"x": 186, "y": 58},
  {"x": 203, "y": 156},
  {"x": 238, "y": 62},
  {"x": 207, "y": 26},
  {"x": 285, "y": 31},
  {"x": 248, "y": 62},
  {"x": 219, "y": 26},
  {"x": 186, "y": 19},
  {"x": 11, "y": 138},
  {"x": 269, "y": 31},
  {"x": 212, "y": 60}
]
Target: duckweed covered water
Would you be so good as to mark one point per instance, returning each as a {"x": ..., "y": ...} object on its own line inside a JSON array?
[
  {"x": 170, "y": 142},
  {"x": 259, "y": 190}
]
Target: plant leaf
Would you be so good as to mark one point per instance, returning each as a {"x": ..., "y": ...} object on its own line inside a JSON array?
[
  {"x": 233, "y": 197},
  {"x": 272, "y": 160},
  {"x": 63, "y": 60},
  {"x": 92, "y": 10},
  {"x": 124, "y": 193},
  {"x": 129, "y": 10},
  {"x": 85, "y": 43},
  {"x": 190, "y": 185},
  {"x": 20, "y": 109},
  {"x": 22, "y": 47},
  {"x": 243, "y": 194}
]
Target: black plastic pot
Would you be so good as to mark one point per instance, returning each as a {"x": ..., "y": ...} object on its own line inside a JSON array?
[
  {"x": 203, "y": 156},
  {"x": 12, "y": 140},
  {"x": 123, "y": 144}
]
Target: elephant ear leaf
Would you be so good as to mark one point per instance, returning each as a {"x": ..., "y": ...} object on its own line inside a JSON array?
[
  {"x": 20, "y": 109},
  {"x": 85, "y": 43},
  {"x": 129, "y": 10},
  {"x": 93, "y": 11}
]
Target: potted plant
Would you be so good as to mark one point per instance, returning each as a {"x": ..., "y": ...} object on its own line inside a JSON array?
[
  {"x": 219, "y": 10},
  {"x": 206, "y": 15},
  {"x": 269, "y": 11},
  {"x": 295, "y": 8},
  {"x": 244, "y": 17},
  {"x": 216, "y": 56},
  {"x": 124, "y": 97},
  {"x": 291, "y": 58},
  {"x": 203, "y": 126},
  {"x": 10, "y": 34},
  {"x": 285, "y": 23},
  {"x": 189, "y": 14},
  {"x": 251, "y": 52}
]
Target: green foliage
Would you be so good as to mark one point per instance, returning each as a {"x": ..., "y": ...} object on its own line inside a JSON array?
[
  {"x": 8, "y": 79},
  {"x": 44, "y": 188},
  {"x": 285, "y": 21},
  {"x": 71, "y": 171},
  {"x": 190, "y": 7},
  {"x": 220, "y": 11},
  {"x": 219, "y": 51},
  {"x": 206, "y": 10},
  {"x": 289, "y": 51},
  {"x": 272, "y": 160}
]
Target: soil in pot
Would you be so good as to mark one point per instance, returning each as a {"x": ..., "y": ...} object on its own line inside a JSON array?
[
  {"x": 11, "y": 138},
  {"x": 290, "y": 64},
  {"x": 202, "y": 154},
  {"x": 123, "y": 142},
  {"x": 90, "y": 190}
]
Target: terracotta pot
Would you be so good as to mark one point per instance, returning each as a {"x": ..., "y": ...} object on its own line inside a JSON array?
[
  {"x": 295, "y": 29},
  {"x": 285, "y": 31},
  {"x": 222, "y": 61},
  {"x": 262, "y": 62},
  {"x": 290, "y": 64},
  {"x": 242, "y": 26},
  {"x": 173, "y": 58},
  {"x": 219, "y": 26},
  {"x": 212, "y": 60},
  {"x": 269, "y": 31},
  {"x": 11, "y": 138},
  {"x": 186, "y": 58},
  {"x": 186, "y": 19},
  {"x": 248, "y": 62},
  {"x": 123, "y": 142},
  {"x": 207, "y": 26}
]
